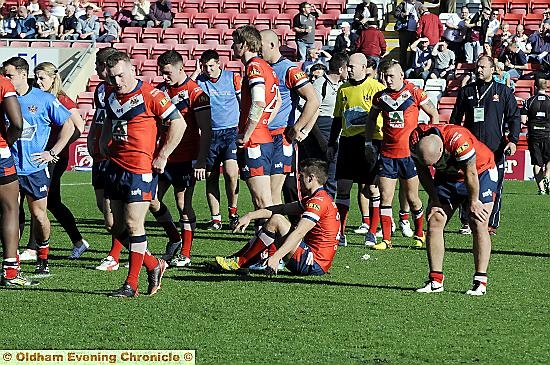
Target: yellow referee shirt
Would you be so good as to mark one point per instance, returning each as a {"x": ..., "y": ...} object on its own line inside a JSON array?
[{"x": 353, "y": 103}]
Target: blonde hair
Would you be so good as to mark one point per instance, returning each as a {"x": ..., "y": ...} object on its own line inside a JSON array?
[{"x": 53, "y": 72}]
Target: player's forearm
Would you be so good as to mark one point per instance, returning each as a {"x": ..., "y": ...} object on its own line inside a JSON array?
[
  {"x": 173, "y": 137},
  {"x": 13, "y": 112},
  {"x": 471, "y": 179},
  {"x": 64, "y": 136},
  {"x": 427, "y": 182},
  {"x": 307, "y": 119},
  {"x": 90, "y": 140}
]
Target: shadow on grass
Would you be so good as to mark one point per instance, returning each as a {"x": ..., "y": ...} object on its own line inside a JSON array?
[{"x": 58, "y": 290}]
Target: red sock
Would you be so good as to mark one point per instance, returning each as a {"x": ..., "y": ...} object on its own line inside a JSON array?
[
  {"x": 149, "y": 261},
  {"x": 263, "y": 240},
  {"x": 385, "y": 217},
  {"x": 271, "y": 250},
  {"x": 437, "y": 276},
  {"x": 187, "y": 233},
  {"x": 232, "y": 211},
  {"x": 116, "y": 247},
  {"x": 343, "y": 210},
  {"x": 11, "y": 268},
  {"x": 374, "y": 211},
  {"x": 138, "y": 247},
  {"x": 245, "y": 248},
  {"x": 403, "y": 215},
  {"x": 418, "y": 216},
  {"x": 43, "y": 249},
  {"x": 366, "y": 220}
]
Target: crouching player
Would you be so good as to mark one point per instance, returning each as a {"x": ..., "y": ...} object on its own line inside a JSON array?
[
  {"x": 465, "y": 172},
  {"x": 308, "y": 248}
]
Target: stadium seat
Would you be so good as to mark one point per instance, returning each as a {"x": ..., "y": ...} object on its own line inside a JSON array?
[
  {"x": 235, "y": 66},
  {"x": 217, "y": 5},
  {"x": 539, "y": 6},
  {"x": 434, "y": 96},
  {"x": 284, "y": 19},
  {"x": 512, "y": 18},
  {"x": 131, "y": 41},
  {"x": 189, "y": 66},
  {"x": 184, "y": 50},
  {"x": 152, "y": 33},
  {"x": 160, "y": 48},
  {"x": 417, "y": 82},
  {"x": 273, "y": 5},
  {"x": 40, "y": 44},
  {"x": 200, "y": 49},
  {"x": 142, "y": 49},
  {"x": 202, "y": 20},
  {"x": 132, "y": 32},
  {"x": 192, "y": 34},
  {"x": 264, "y": 19},
  {"x": 292, "y": 6},
  {"x": 223, "y": 21},
  {"x": 243, "y": 19},
  {"x": 525, "y": 86},
  {"x": 519, "y": 6},
  {"x": 182, "y": 20},
  {"x": 447, "y": 101},
  {"x": 93, "y": 81},
  {"x": 436, "y": 84},
  {"x": 85, "y": 98},
  {"x": 335, "y": 4},
  {"x": 149, "y": 68},
  {"x": 501, "y": 5},
  {"x": 157, "y": 80},
  {"x": 224, "y": 51},
  {"x": 212, "y": 36},
  {"x": 232, "y": 5},
  {"x": 123, "y": 47},
  {"x": 191, "y": 4},
  {"x": 252, "y": 5},
  {"x": 173, "y": 33},
  {"x": 19, "y": 44},
  {"x": 445, "y": 115},
  {"x": 137, "y": 63}
]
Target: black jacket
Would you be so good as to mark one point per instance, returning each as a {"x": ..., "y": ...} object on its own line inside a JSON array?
[
  {"x": 500, "y": 111},
  {"x": 340, "y": 43}
]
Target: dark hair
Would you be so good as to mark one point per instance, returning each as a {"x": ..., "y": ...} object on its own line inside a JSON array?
[
  {"x": 303, "y": 5},
  {"x": 249, "y": 35},
  {"x": 209, "y": 55},
  {"x": 386, "y": 65},
  {"x": 317, "y": 67},
  {"x": 19, "y": 63},
  {"x": 104, "y": 53},
  {"x": 488, "y": 58},
  {"x": 169, "y": 58},
  {"x": 316, "y": 167},
  {"x": 338, "y": 60},
  {"x": 371, "y": 62},
  {"x": 117, "y": 57}
]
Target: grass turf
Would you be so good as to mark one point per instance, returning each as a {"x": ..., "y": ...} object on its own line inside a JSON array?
[{"x": 362, "y": 312}]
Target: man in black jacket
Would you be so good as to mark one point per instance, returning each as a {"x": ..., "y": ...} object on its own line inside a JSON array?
[
  {"x": 366, "y": 13},
  {"x": 345, "y": 41},
  {"x": 488, "y": 108}
]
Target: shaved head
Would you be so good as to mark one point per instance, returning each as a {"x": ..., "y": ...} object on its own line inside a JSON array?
[
  {"x": 358, "y": 59},
  {"x": 270, "y": 46},
  {"x": 429, "y": 149},
  {"x": 357, "y": 67}
]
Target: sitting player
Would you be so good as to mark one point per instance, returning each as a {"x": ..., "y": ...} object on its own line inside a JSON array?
[
  {"x": 307, "y": 249},
  {"x": 465, "y": 172}
]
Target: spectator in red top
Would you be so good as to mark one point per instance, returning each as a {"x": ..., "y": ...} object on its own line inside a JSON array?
[
  {"x": 371, "y": 43},
  {"x": 429, "y": 26}
]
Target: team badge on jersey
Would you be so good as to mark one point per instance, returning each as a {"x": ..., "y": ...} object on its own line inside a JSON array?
[{"x": 32, "y": 109}]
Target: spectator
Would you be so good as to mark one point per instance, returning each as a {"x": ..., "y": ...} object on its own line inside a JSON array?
[
  {"x": 478, "y": 28},
  {"x": 112, "y": 29},
  {"x": 304, "y": 26},
  {"x": 521, "y": 39},
  {"x": 160, "y": 14},
  {"x": 140, "y": 13},
  {"x": 540, "y": 44},
  {"x": 315, "y": 56},
  {"x": 406, "y": 15},
  {"x": 58, "y": 9},
  {"x": 444, "y": 62},
  {"x": 366, "y": 13},
  {"x": 502, "y": 76},
  {"x": 80, "y": 7},
  {"x": 9, "y": 24},
  {"x": 345, "y": 41},
  {"x": 422, "y": 61},
  {"x": 515, "y": 61},
  {"x": 317, "y": 71},
  {"x": 67, "y": 29},
  {"x": 26, "y": 24},
  {"x": 371, "y": 43},
  {"x": 455, "y": 32},
  {"x": 493, "y": 26},
  {"x": 429, "y": 26},
  {"x": 48, "y": 25},
  {"x": 546, "y": 17},
  {"x": 34, "y": 8},
  {"x": 88, "y": 25}
]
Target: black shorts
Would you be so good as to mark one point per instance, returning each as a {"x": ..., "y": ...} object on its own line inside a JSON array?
[
  {"x": 540, "y": 151},
  {"x": 98, "y": 175},
  {"x": 351, "y": 163}
]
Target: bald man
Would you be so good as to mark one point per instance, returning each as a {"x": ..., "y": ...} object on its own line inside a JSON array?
[
  {"x": 285, "y": 128},
  {"x": 465, "y": 172},
  {"x": 353, "y": 104},
  {"x": 399, "y": 104}
]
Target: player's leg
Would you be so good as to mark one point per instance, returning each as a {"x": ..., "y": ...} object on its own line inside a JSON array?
[
  {"x": 41, "y": 228},
  {"x": 363, "y": 201},
  {"x": 162, "y": 215},
  {"x": 188, "y": 224},
  {"x": 277, "y": 178},
  {"x": 404, "y": 211},
  {"x": 387, "y": 190},
  {"x": 274, "y": 228},
  {"x": 62, "y": 213},
  {"x": 410, "y": 184},
  {"x": 9, "y": 234},
  {"x": 213, "y": 197},
  {"x": 494, "y": 220},
  {"x": 231, "y": 180},
  {"x": 374, "y": 212}
]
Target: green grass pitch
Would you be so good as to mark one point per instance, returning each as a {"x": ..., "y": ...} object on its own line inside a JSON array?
[{"x": 362, "y": 312}]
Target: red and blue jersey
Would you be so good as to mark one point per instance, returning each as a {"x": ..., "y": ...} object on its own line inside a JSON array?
[
  {"x": 40, "y": 111},
  {"x": 291, "y": 78},
  {"x": 323, "y": 238},
  {"x": 224, "y": 93},
  {"x": 459, "y": 147},
  {"x": 6, "y": 90},
  {"x": 100, "y": 92},
  {"x": 188, "y": 98},
  {"x": 135, "y": 118},
  {"x": 258, "y": 72},
  {"x": 400, "y": 110}
]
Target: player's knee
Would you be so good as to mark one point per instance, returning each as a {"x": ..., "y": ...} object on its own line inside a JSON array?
[{"x": 437, "y": 222}]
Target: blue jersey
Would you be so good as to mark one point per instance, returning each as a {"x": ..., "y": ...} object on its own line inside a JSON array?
[
  {"x": 223, "y": 92},
  {"x": 40, "y": 110},
  {"x": 291, "y": 78}
]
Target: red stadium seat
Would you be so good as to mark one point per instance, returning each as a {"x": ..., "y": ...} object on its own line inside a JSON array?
[
  {"x": 212, "y": 4},
  {"x": 152, "y": 33},
  {"x": 93, "y": 82},
  {"x": 264, "y": 19},
  {"x": 212, "y": 36},
  {"x": 182, "y": 19},
  {"x": 203, "y": 20},
  {"x": 335, "y": 5},
  {"x": 200, "y": 49},
  {"x": 142, "y": 49},
  {"x": 137, "y": 62},
  {"x": 243, "y": 19},
  {"x": 160, "y": 48},
  {"x": 192, "y": 34},
  {"x": 501, "y": 5},
  {"x": 447, "y": 101},
  {"x": 512, "y": 18},
  {"x": 123, "y": 47},
  {"x": 191, "y": 4},
  {"x": 273, "y": 5},
  {"x": 173, "y": 33},
  {"x": 223, "y": 21},
  {"x": 253, "y": 5},
  {"x": 184, "y": 50},
  {"x": 539, "y": 6},
  {"x": 232, "y": 5},
  {"x": 85, "y": 98},
  {"x": 19, "y": 44},
  {"x": 225, "y": 51},
  {"x": 149, "y": 68},
  {"x": 132, "y": 32},
  {"x": 235, "y": 66},
  {"x": 157, "y": 80},
  {"x": 527, "y": 86},
  {"x": 189, "y": 66},
  {"x": 292, "y": 6},
  {"x": 284, "y": 19},
  {"x": 519, "y": 6}
]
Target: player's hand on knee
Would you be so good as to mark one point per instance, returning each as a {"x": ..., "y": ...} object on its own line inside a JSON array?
[
  {"x": 478, "y": 211},
  {"x": 272, "y": 266}
]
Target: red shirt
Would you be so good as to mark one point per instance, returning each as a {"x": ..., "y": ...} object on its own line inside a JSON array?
[
  {"x": 135, "y": 117},
  {"x": 322, "y": 239},
  {"x": 371, "y": 42},
  {"x": 188, "y": 98},
  {"x": 6, "y": 90},
  {"x": 430, "y": 26},
  {"x": 459, "y": 146},
  {"x": 54, "y": 133},
  {"x": 400, "y": 111},
  {"x": 258, "y": 72}
]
